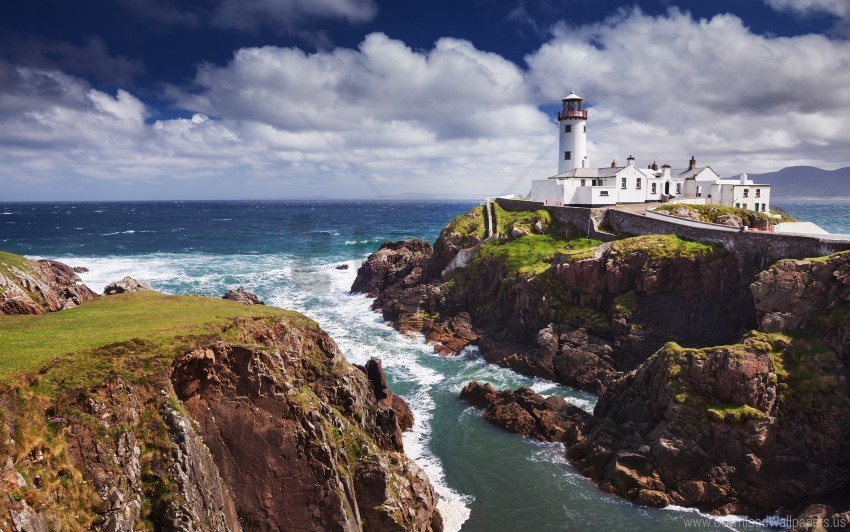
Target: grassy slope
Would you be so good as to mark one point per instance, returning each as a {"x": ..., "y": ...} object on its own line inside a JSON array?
[
  {"x": 532, "y": 254},
  {"x": 668, "y": 247},
  {"x": 161, "y": 322},
  {"x": 471, "y": 223},
  {"x": 8, "y": 259}
]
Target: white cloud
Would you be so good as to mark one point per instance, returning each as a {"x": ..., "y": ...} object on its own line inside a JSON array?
[
  {"x": 387, "y": 119},
  {"x": 670, "y": 86},
  {"x": 382, "y": 119},
  {"x": 840, "y": 8}
]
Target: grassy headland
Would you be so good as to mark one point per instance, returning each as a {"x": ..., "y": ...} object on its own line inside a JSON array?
[{"x": 148, "y": 324}]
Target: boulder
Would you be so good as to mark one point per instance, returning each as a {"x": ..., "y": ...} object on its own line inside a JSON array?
[
  {"x": 127, "y": 285},
  {"x": 240, "y": 295}
]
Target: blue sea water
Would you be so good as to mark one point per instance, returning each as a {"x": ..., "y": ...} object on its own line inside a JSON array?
[{"x": 287, "y": 252}]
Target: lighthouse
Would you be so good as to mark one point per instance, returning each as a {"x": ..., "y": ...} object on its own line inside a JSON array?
[{"x": 572, "y": 121}]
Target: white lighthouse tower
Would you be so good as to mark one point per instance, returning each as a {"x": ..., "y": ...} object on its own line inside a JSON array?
[{"x": 572, "y": 120}]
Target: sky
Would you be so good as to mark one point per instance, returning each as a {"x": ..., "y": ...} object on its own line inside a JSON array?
[{"x": 373, "y": 99}]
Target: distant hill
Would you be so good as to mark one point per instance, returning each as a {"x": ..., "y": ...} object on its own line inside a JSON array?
[{"x": 807, "y": 182}]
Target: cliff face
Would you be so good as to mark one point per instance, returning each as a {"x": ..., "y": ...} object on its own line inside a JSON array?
[
  {"x": 36, "y": 287},
  {"x": 722, "y": 387},
  {"x": 253, "y": 422},
  {"x": 581, "y": 314},
  {"x": 745, "y": 428},
  {"x": 334, "y": 449}
]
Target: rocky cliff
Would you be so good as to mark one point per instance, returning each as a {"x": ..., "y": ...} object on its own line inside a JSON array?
[
  {"x": 751, "y": 427},
  {"x": 722, "y": 387},
  {"x": 198, "y": 414},
  {"x": 546, "y": 302},
  {"x": 39, "y": 286}
]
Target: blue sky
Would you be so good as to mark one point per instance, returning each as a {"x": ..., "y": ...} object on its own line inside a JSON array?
[{"x": 216, "y": 99}]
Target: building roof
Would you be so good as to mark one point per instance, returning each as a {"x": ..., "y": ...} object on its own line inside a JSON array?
[
  {"x": 572, "y": 96},
  {"x": 607, "y": 171}
]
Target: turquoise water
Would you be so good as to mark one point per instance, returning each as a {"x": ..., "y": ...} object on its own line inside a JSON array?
[{"x": 286, "y": 252}]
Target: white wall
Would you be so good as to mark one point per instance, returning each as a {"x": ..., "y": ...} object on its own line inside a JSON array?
[
  {"x": 732, "y": 195},
  {"x": 575, "y": 142},
  {"x": 631, "y": 194},
  {"x": 547, "y": 191}
]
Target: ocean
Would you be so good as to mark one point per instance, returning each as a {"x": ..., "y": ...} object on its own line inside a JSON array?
[{"x": 287, "y": 253}]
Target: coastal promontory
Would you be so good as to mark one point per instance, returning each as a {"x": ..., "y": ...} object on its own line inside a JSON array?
[
  {"x": 148, "y": 411},
  {"x": 722, "y": 377}
]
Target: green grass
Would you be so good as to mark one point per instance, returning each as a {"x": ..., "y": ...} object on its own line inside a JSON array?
[
  {"x": 532, "y": 254},
  {"x": 668, "y": 247},
  {"x": 732, "y": 413},
  {"x": 505, "y": 219},
  {"x": 472, "y": 222},
  {"x": 147, "y": 321}
]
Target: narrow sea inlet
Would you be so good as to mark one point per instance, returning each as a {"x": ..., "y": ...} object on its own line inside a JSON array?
[{"x": 288, "y": 253}]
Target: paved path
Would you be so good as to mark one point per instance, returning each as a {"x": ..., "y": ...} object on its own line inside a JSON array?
[{"x": 636, "y": 208}]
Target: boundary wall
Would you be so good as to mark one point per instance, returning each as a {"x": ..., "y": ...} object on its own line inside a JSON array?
[{"x": 767, "y": 247}]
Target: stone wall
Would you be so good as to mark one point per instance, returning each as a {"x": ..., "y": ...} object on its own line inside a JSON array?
[{"x": 767, "y": 247}]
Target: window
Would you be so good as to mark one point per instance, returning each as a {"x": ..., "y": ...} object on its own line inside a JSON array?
[
  {"x": 678, "y": 185},
  {"x": 623, "y": 185},
  {"x": 758, "y": 192},
  {"x": 763, "y": 205},
  {"x": 699, "y": 191},
  {"x": 585, "y": 129},
  {"x": 737, "y": 205},
  {"x": 568, "y": 155},
  {"x": 654, "y": 188},
  {"x": 583, "y": 181},
  {"x": 745, "y": 206},
  {"x": 603, "y": 192},
  {"x": 746, "y": 193},
  {"x": 638, "y": 184},
  {"x": 593, "y": 182},
  {"x": 568, "y": 128}
]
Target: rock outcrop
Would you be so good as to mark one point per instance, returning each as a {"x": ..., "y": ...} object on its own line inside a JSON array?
[
  {"x": 751, "y": 427},
  {"x": 240, "y": 295},
  {"x": 261, "y": 426},
  {"x": 582, "y": 319},
  {"x": 526, "y": 412},
  {"x": 127, "y": 285},
  {"x": 39, "y": 286},
  {"x": 325, "y": 452}
]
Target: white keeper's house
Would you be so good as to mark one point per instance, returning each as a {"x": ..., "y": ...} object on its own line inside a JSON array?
[{"x": 578, "y": 184}]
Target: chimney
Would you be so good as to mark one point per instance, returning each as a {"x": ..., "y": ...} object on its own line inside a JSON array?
[
  {"x": 693, "y": 163},
  {"x": 614, "y": 163},
  {"x": 631, "y": 160},
  {"x": 665, "y": 171},
  {"x": 653, "y": 166},
  {"x": 743, "y": 179}
]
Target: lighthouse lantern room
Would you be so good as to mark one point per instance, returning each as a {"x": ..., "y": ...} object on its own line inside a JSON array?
[{"x": 572, "y": 120}]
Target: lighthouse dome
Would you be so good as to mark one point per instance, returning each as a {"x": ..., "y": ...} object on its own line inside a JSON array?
[{"x": 572, "y": 96}]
